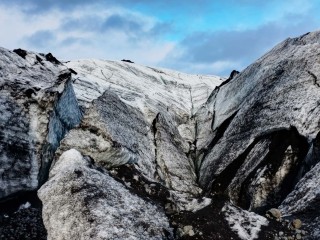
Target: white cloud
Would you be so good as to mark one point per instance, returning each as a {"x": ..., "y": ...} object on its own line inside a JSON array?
[
  {"x": 220, "y": 68},
  {"x": 20, "y": 29},
  {"x": 292, "y": 7},
  {"x": 80, "y": 30},
  {"x": 16, "y": 26}
]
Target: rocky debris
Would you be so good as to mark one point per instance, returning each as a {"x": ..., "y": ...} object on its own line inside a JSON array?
[
  {"x": 302, "y": 203},
  {"x": 81, "y": 202},
  {"x": 296, "y": 223},
  {"x": 223, "y": 220},
  {"x": 207, "y": 223},
  {"x": 289, "y": 232},
  {"x": 25, "y": 223},
  {"x": 137, "y": 183},
  {"x": 283, "y": 227},
  {"x": 186, "y": 231},
  {"x": 274, "y": 213}
]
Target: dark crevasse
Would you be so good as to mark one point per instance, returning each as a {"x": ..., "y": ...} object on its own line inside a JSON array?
[
  {"x": 279, "y": 168},
  {"x": 264, "y": 180},
  {"x": 66, "y": 115},
  {"x": 21, "y": 212},
  {"x": 219, "y": 132},
  {"x": 311, "y": 159}
]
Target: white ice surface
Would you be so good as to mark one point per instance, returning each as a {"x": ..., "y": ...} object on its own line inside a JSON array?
[
  {"x": 147, "y": 88},
  {"x": 246, "y": 224}
]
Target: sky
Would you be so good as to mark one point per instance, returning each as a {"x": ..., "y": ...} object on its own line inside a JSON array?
[{"x": 194, "y": 36}]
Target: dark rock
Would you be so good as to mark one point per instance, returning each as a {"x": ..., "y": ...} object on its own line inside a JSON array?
[
  {"x": 49, "y": 57},
  {"x": 296, "y": 223},
  {"x": 39, "y": 59},
  {"x": 72, "y": 71},
  {"x": 233, "y": 74},
  {"x": 274, "y": 213},
  {"x": 126, "y": 60},
  {"x": 22, "y": 53}
]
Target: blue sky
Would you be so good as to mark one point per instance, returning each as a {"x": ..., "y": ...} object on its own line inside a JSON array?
[{"x": 199, "y": 36}]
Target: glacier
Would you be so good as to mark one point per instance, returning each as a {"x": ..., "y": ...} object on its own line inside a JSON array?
[{"x": 115, "y": 150}]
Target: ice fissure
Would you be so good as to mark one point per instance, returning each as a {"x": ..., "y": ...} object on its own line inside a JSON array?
[
  {"x": 315, "y": 79},
  {"x": 65, "y": 115}
]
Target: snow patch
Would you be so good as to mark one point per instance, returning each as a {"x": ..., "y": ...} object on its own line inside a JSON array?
[
  {"x": 197, "y": 204},
  {"x": 246, "y": 224},
  {"x": 24, "y": 206}
]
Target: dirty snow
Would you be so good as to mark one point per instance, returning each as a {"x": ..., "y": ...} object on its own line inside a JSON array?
[{"x": 246, "y": 224}]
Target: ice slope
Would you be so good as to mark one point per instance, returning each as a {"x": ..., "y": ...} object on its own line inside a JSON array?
[{"x": 150, "y": 89}]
